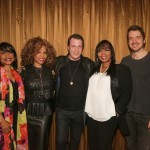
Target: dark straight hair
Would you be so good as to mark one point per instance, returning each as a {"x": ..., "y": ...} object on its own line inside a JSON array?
[
  {"x": 7, "y": 47},
  {"x": 103, "y": 45}
]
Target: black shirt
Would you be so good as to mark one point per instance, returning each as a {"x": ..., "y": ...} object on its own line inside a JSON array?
[{"x": 72, "y": 97}]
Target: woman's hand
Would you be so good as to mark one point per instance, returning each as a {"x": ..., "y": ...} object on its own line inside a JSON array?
[
  {"x": 149, "y": 126},
  {"x": 19, "y": 70},
  {"x": 5, "y": 125}
]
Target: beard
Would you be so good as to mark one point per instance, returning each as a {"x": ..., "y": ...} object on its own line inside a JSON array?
[{"x": 137, "y": 50}]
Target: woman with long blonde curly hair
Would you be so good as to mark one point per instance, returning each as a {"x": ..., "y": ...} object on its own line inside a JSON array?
[{"x": 38, "y": 58}]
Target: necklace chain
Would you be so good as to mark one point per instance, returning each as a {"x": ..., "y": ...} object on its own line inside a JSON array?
[
  {"x": 72, "y": 75},
  {"x": 104, "y": 70},
  {"x": 41, "y": 80}
]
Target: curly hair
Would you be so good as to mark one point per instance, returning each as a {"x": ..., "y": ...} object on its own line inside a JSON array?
[{"x": 32, "y": 47}]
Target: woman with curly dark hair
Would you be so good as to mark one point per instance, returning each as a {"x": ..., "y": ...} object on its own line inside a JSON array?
[{"x": 38, "y": 58}]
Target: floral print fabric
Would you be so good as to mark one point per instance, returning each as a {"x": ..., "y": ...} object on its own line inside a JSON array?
[{"x": 7, "y": 141}]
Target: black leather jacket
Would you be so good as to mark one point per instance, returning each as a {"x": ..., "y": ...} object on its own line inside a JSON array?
[
  {"x": 38, "y": 93},
  {"x": 87, "y": 64}
]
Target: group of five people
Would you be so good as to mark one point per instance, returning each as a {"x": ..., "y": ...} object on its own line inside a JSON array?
[{"x": 103, "y": 95}]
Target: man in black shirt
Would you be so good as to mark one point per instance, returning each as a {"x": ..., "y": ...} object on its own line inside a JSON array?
[
  {"x": 138, "y": 115},
  {"x": 73, "y": 72}
]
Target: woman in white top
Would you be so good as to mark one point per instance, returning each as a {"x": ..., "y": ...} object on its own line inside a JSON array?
[{"x": 108, "y": 94}]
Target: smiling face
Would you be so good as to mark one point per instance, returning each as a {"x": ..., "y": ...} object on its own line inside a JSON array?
[
  {"x": 104, "y": 55},
  {"x": 75, "y": 49},
  {"x": 40, "y": 57},
  {"x": 135, "y": 41},
  {"x": 6, "y": 58}
]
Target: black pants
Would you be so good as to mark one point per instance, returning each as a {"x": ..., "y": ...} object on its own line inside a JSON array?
[
  {"x": 68, "y": 121},
  {"x": 38, "y": 132},
  {"x": 100, "y": 134}
]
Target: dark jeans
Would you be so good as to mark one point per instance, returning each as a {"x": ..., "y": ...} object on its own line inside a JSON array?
[
  {"x": 66, "y": 121},
  {"x": 100, "y": 134},
  {"x": 139, "y": 138}
]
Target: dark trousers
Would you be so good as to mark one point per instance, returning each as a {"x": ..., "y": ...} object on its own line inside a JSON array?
[
  {"x": 68, "y": 122},
  {"x": 38, "y": 132},
  {"x": 100, "y": 134},
  {"x": 139, "y": 138}
]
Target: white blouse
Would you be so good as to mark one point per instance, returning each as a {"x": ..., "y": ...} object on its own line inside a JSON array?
[{"x": 99, "y": 103}]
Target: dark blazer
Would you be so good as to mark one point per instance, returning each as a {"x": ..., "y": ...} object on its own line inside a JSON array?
[{"x": 121, "y": 88}]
